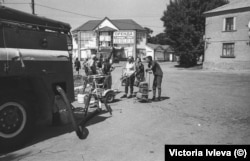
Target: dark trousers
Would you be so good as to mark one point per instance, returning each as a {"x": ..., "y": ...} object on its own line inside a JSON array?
[
  {"x": 157, "y": 81},
  {"x": 157, "y": 84},
  {"x": 108, "y": 82},
  {"x": 130, "y": 83}
]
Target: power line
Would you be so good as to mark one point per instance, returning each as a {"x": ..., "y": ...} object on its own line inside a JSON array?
[
  {"x": 14, "y": 3},
  {"x": 146, "y": 16},
  {"x": 79, "y": 13},
  {"x": 86, "y": 15},
  {"x": 83, "y": 14},
  {"x": 67, "y": 11}
]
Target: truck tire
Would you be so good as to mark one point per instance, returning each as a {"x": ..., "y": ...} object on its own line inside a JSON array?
[{"x": 16, "y": 123}]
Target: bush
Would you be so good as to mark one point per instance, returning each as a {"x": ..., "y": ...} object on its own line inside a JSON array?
[{"x": 187, "y": 60}]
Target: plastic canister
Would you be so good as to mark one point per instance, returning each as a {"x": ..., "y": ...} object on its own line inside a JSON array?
[{"x": 80, "y": 98}]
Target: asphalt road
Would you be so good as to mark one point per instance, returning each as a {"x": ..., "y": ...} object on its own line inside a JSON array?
[{"x": 199, "y": 107}]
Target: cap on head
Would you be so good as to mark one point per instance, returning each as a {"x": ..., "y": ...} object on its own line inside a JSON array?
[
  {"x": 131, "y": 58},
  {"x": 93, "y": 56},
  {"x": 150, "y": 58}
]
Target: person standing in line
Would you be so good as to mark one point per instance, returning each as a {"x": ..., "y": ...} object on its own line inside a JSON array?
[
  {"x": 99, "y": 61},
  {"x": 139, "y": 70},
  {"x": 107, "y": 69},
  {"x": 130, "y": 77},
  {"x": 158, "y": 74},
  {"x": 77, "y": 65},
  {"x": 92, "y": 69},
  {"x": 101, "y": 58},
  {"x": 85, "y": 67}
]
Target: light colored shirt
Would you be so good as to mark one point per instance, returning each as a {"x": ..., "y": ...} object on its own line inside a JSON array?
[
  {"x": 92, "y": 66},
  {"x": 130, "y": 68}
]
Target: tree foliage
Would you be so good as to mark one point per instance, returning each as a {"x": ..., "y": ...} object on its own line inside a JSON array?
[
  {"x": 184, "y": 24},
  {"x": 149, "y": 32},
  {"x": 158, "y": 39}
]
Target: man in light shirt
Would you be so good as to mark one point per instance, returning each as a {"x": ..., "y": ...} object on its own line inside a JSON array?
[{"x": 130, "y": 77}]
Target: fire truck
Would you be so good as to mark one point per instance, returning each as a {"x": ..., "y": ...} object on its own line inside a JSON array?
[{"x": 35, "y": 57}]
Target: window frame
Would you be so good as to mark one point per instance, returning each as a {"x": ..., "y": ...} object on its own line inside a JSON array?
[
  {"x": 232, "y": 48},
  {"x": 233, "y": 28}
]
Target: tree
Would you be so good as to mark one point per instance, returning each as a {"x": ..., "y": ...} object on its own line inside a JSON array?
[
  {"x": 149, "y": 32},
  {"x": 184, "y": 24},
  {"x": 158, "y": 39}
]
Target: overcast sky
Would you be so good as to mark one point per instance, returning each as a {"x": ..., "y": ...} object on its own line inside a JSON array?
[{"x": 145, "y": 12}]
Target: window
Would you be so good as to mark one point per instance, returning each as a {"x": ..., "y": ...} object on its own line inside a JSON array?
[
  {"x": 87, "y": 39},
  {"x": 104, "y": 43},
  {"x": 229, "y": 24},
  {"x": 228, "y": 50}
]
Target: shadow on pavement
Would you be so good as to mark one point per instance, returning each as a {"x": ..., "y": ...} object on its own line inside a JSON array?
[
  {"x": 115, "y": 101},
  {"x": 96, "y": 120},
  {"x": 150, "y": 100},
  {"x": 196, "y": 67},
  {"x": 164, "y": 98},
  {"x": 9, "y": 157},
  {"x": 45, "y": 132}
]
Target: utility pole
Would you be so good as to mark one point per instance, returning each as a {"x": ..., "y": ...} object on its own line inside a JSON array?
[{"x": 33, "y": 6}]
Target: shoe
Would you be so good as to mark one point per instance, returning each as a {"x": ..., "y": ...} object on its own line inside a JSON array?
[
  {"x": 130, "y": 96},
  {"x": 153, "y": 99},
  {"x": 159, "y": 99},
  {"x": 124, "y": 96}
]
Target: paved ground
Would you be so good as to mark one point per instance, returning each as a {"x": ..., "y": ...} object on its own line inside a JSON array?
[{"x": 199, "y": 107}]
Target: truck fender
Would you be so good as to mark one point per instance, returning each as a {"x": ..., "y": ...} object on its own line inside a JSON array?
[{"x": 107, "y": 91}]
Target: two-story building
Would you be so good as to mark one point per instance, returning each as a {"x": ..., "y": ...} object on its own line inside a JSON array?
[
  {"x": 100, "y": 36},
  {"x": 227, "y": 36}
]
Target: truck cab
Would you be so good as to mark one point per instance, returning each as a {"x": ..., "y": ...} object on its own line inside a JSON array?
[{"x": 35, "y": 57}]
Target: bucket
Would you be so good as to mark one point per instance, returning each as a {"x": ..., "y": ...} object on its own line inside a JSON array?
[{"x": 80, "y": 98}]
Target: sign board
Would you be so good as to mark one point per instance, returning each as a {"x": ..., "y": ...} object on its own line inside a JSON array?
[
  {"x": 124, "y": 37},
  {"x": 105, "y": 38}
]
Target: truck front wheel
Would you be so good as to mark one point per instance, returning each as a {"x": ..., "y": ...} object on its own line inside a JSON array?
[{"x": 16, "y": 122}]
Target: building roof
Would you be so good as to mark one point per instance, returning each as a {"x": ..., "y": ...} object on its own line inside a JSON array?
[
  {"x": 106, "y": 28},
  {"x": 164, "y": 47},
  {"x": 153, "y": 46},
  {"x": 127, "y": 24},
  {"x": 88, "y": 26},
  {"x": 121, "y": 24},
  {"x": 233, "y": 5}
]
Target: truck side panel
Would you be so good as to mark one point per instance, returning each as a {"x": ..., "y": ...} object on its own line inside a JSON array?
[{"x": 37, "y": 61}]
